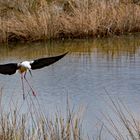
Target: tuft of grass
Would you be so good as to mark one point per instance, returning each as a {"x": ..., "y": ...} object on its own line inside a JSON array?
[
  {"x": 32, "y": 20},
  {"x": 33, "y": 124}
]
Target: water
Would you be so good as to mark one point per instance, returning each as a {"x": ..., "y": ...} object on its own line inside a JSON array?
[{"x": 91, "y": 70}]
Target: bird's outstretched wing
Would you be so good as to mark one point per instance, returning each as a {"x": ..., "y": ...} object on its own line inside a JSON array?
[
  {"x": 42, "y": 62},
  {"x": 8, "y": 68}
]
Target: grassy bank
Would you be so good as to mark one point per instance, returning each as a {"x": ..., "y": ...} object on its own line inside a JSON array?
[{"x": 32, "y": 20}]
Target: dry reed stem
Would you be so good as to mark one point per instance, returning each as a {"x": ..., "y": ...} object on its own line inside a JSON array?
[
  {"x": 35, "y": 125},
  {"x": 37, "y": 20}
]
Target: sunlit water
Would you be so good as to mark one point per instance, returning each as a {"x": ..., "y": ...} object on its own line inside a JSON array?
[{"x": 92, "y": 70}]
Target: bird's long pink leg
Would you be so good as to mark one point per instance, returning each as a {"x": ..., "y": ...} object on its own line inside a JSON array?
[
  {"x": 29, "y": 85},
  {"x": 23, "y": 87}
]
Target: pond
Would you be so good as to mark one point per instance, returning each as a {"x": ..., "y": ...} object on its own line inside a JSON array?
[{"x": 92, "y": 70}]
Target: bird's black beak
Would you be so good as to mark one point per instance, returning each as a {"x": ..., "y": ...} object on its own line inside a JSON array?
[{"x": 30, "y": 73}]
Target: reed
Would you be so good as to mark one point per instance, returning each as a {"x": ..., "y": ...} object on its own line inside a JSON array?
[
  {"x": 33, "y": 124},
  {"x": 124, "y": 125},
  {"x": 32, "y": 20}
]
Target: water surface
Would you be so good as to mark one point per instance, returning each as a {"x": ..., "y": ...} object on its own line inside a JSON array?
[{"x": 91, "y": 70}]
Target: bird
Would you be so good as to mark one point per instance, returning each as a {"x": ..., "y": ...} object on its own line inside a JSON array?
[{"x": 25, "y": 66}]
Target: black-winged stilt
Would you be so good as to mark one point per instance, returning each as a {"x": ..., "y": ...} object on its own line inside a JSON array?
[{"x": 23, "y": 67}]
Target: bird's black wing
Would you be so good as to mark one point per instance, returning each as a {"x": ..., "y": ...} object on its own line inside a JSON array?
[
  {"x": 42, "y": 62},
  {"x": 8, "y": 68}
]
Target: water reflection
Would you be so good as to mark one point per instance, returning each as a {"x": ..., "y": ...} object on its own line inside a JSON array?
[{"x": 108, "y": 48}]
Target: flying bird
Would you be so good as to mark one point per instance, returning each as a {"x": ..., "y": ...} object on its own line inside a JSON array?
[{"x": 25, "y": 66}]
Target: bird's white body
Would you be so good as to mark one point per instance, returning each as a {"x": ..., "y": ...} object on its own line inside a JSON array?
[{"x": 24, "y": 66}]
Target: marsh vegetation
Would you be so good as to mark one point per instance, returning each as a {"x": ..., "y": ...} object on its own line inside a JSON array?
[
  {"x": 35, "y": 125},
  {"x": 32, "y": 20}
]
